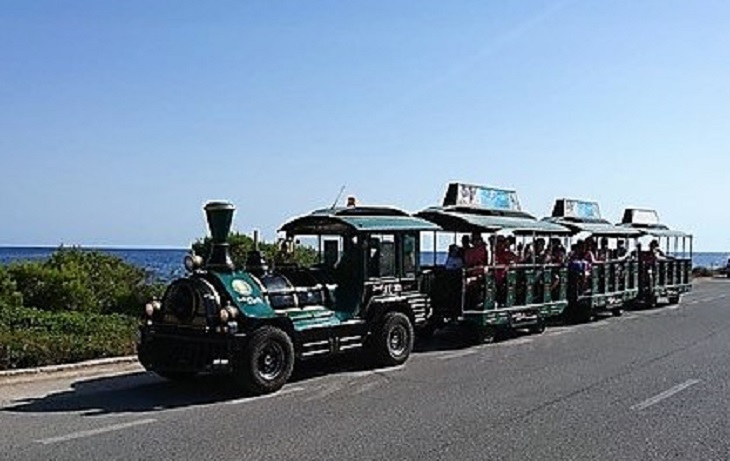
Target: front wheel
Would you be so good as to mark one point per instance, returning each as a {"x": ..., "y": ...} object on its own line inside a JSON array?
[
  {"x": 674, "y": 300},
  {"x": 391, "y": 342},
  {"x": 267, "y": 361},
  {"x": 617, "y": 311}
]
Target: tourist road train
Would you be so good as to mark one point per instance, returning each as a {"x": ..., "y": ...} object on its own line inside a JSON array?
[{"x": 381, "y": 282}]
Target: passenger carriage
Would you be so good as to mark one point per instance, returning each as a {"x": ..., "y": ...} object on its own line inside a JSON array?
[
  {"x": 664, "y": 255},
  {"x": 493, "y": 298},
  {"x": 254, "y": 321},
  {"x": 611, "y": 281}
]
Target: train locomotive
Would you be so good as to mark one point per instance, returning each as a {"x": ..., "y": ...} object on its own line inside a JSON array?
[{"x": 254, "y": 322}]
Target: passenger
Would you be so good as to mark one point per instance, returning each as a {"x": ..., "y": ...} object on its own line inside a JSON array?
[
  {"x": 655, "y": 253},
  {"x": 557, "y": 251},
  {"x": 621, "y": 251},
  {"x": 504, "y": 257},
  {"x": 604, "y": 253},
  {"x": 589, "y": 252},
  {"x": 465, "y": 243},
  {"x": 454, "y": 260},
  {"x": 477, "y": 255},
  {"x": 540, "y": 251}
]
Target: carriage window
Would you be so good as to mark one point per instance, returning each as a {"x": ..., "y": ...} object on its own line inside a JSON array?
[
  {"x": 381, "y": 256},
  {"x": 409, "y": 255},
  {"x": 330, "y": 252}
]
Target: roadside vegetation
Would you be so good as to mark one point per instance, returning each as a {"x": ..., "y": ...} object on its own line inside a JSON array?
[{"x": 80, "y": 304}]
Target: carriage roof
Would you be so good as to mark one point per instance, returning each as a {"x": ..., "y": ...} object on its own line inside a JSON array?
[{"x": 465, "y": 219}]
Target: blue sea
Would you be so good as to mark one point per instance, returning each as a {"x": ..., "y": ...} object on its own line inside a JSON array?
[{"x": 166, "y": 264}]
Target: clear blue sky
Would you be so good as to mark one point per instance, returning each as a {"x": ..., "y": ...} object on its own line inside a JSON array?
[{"x": 119, "y": 119}]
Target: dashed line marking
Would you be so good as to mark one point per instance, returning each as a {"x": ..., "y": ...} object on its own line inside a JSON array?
[
  {"x": 664, "y": 395},
  {"x": 97, "y": 431}
]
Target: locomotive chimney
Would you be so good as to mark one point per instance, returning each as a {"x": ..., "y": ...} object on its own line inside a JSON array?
[{"x": 219, "y": 216}]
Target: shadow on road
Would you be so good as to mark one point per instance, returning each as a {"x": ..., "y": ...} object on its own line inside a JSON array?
[{"x": 146, "y": 392}]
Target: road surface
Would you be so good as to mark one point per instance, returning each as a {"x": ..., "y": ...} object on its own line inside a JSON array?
[{"x": 652, "y": 384}]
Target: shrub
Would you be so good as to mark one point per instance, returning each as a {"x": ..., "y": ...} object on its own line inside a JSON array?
[
  {"x": 32, "y": 337},
  {"x": 9, "y": 294},
  {"x": 73, "y": 279},
  {"x": 241, "y": 244}
]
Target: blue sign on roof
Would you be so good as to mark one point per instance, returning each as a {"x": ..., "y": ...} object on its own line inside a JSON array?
[
  {"x": 581, "y": 209},
  {"x": 481, "y": 196}
]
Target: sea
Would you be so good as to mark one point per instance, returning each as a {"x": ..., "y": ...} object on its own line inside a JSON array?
[{"x": 167, "y": 264}]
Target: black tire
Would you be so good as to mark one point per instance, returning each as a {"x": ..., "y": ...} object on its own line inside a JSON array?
[
  {"x": 177, "y": 376},
  {"x": 674, "y": 300},
  {"x": 266, "y": 363},
  {"x": 391, "y": 342},
  {"x": 617, "y": 311}
]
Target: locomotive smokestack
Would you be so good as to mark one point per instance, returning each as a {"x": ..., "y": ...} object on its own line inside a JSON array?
[{"x": 219, "y": 216}]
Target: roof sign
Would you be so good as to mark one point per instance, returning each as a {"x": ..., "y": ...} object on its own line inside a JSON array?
[
  {"x": 641, "y": 217},
  {"x": 580, "y": 209},
  {"x": 482, "y": 197}
]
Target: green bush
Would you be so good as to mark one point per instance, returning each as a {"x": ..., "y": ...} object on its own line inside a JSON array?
[
  {"x": 32, "y": 337},
  {"x": 73, "y": 279},
  {"x": 241, "y": 244},
  {"x": 9, "y": 294}
]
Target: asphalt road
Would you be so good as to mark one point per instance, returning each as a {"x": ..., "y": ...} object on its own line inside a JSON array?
[{"x": 652, "y": 384}]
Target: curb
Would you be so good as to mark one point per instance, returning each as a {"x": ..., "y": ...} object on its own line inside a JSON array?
[{"x": 52, "y": 369}]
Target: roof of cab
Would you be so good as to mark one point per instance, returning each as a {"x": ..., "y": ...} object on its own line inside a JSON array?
[
  {"x": 469, "y": 219},
  {"x": 356, "y": 219}
]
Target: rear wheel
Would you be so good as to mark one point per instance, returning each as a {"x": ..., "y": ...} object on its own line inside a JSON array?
[
  {"x": 267, "y": 361},
  {"x": 392, "y": 341}
]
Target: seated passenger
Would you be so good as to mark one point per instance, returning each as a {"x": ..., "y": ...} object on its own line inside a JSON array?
[
  {"x": 604, "y": 253},
  {"x": 620, "y": 252},
  {"x": 454, "y": 260},
  {"x": 477, "y": 254},
  {"x": 654, "y": 254}
]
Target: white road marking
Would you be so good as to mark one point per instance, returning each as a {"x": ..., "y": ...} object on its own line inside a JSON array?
[
  {"x": 327, "y": 390},
  {"x": 664, "y": 395},
  {"x": 92, "y": 432},
  {"x": 456, "y": 355},
  {"x": 366, "y": 387},
  {"x": 288, "y": 390},
  {"x": 517, "y": 342},
  {"x": 555, "y": 332}
]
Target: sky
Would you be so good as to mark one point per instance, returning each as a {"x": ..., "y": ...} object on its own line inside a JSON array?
[{"x": 120, "y": 119}]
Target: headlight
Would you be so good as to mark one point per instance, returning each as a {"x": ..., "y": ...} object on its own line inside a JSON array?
[
  {"x": 192, "y": 262},
  {"x": 149, "y": 309},
  {"x": 224, "y": 315},
  {"x": 232, "y": 311}
]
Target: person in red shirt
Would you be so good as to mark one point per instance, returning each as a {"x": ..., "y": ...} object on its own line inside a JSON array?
[{"x": 477, "y": 254}]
